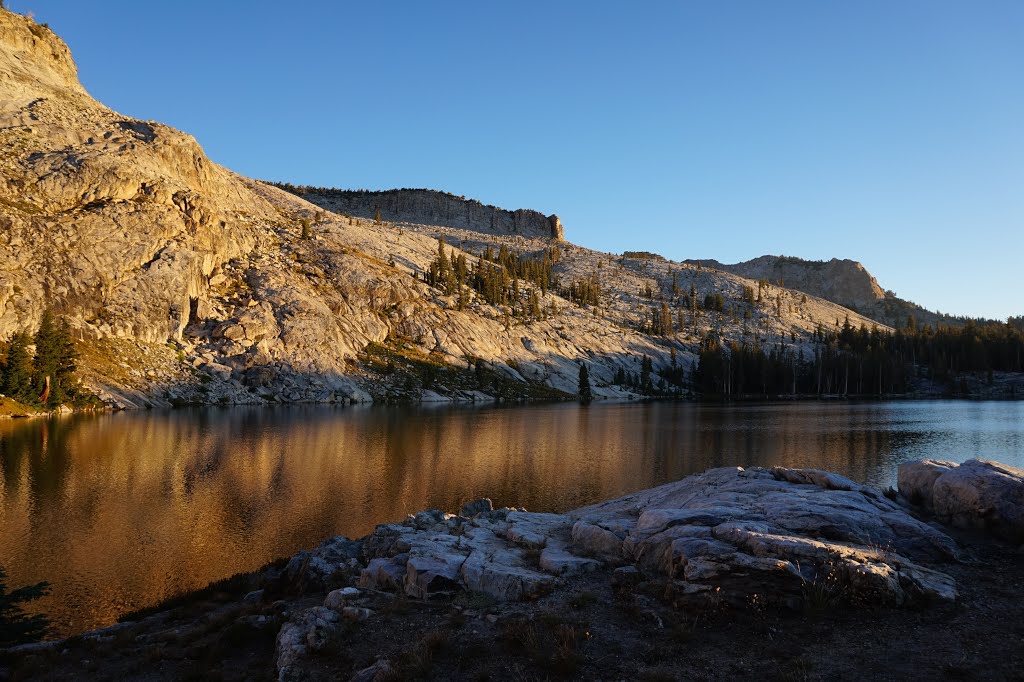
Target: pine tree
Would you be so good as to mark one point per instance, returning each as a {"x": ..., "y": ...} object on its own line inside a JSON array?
[
  {"x": 586, "y": 395},
  {"x": 17, "y": 372},
  {"x": 55, "y": 360},
  {"x": 646, "y": 368}
]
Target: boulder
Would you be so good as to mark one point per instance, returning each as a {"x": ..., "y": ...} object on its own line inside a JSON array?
[
  {"x": 532, "y": 530},
  {"x": 471, "y": 509},
  {"x": 979, "y": 494},
  {"x": 593, "y": 540},
  {"x": 336, "y": 600},
  {"x": 915, "y": 480},
  {"x": 308, "y": 631},
  {"x": 434, "y": 566},
  {"x": 557, "y": 559},
  {"x": 384, "y": 573},
  {"x": 315, "y": 569},
  {"x": 378, "y": 672},
  {"x": 781, "y": 536},
  {"x": 741, "y": 536}
]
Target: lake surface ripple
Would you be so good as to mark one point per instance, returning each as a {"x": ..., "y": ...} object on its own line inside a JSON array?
[{"x": 119, "y": 511}]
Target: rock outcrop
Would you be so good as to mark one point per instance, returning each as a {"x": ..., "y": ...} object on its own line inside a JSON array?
[
  {"x": 775, "y": 535},
  {"x": 842, "y": 281},
  {"x": 743, "y": 537},
  {"x": 430, "y": 207},
  {"x": 728, "y": 534},
  {"x": 979, "y": 494}
]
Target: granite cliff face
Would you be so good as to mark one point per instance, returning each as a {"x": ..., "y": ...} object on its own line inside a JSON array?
[
  {"x": 844, "y": 281},
  {"x": 186, "y": 282},
  {"x": 115, "y": 219},
  {"x": 430, "y": 207}
]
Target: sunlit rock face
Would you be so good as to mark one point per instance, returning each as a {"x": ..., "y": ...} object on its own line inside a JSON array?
[
  {"x": 843, "y": 281},
  {"x": 979, "y": 494},
  {"x": 188, "y": 283},
  {"x": 430, "y": 207}
]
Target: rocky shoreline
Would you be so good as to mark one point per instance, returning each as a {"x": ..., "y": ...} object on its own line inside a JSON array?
[{"x": 735, "y": 557}]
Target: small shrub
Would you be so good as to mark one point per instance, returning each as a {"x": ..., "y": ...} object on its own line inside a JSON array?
[
  {"x": 582, "y": 600},
  {"x": 826, "y": 590}
]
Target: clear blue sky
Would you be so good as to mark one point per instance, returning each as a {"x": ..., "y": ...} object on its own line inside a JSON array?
[{"x": 889, "y": 132}]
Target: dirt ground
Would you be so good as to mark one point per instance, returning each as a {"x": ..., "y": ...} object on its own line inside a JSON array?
[{"x": 589, "y": 630}]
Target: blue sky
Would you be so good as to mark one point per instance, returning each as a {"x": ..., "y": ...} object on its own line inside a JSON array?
[{"x": 887, "y": 132}]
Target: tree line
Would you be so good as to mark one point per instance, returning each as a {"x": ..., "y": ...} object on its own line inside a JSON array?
[
  {"x": 858, "y": 361},
  {"x": 39, "y": 369}
]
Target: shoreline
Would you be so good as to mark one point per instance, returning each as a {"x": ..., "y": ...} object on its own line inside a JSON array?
[
  {"x": 298, "y": 613},
  {"x": 739, "y": 400}
]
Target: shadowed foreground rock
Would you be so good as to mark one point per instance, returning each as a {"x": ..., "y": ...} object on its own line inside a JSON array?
[
  {"x": 730, "y": 535},
  {"x": 978, "y": 494}
]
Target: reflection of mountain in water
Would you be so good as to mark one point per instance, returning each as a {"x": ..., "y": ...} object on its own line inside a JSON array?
[{"x": 121, "y": 510}]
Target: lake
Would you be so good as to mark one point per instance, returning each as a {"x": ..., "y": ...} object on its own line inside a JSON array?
[{"x": 119, "y": 511}]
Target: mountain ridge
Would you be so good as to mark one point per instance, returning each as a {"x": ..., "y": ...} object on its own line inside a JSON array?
[
  {"x": 431, "y": 207},
  {"x": 840, "y": 280},
  {"x": 187, "y": 283}
]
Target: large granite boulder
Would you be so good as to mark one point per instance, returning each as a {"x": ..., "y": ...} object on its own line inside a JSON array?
[
  {"x": 978, "y": 494},
  {"x": 770, "y": 535},
  {"x": 788, "y": 537},
  {"x": 773, "y": 536}
]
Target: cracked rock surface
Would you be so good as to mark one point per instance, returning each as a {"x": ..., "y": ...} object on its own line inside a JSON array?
[{"x": 785, "y": 537}]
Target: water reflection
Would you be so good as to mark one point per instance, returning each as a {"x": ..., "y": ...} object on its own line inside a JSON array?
[{"x": 121, "y": 510}]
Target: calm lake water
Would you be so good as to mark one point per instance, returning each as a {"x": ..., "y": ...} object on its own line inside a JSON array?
[{"x": 119, "y": 511}]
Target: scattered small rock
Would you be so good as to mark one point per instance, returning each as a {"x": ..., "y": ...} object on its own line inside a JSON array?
[{"x": 471, "y": 509}]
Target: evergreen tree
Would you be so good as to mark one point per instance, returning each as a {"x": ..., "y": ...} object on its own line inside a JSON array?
[
  {"x": 55, "y": 360},
  {"x": 17, "y": 372},
  {"x": 646, "y": 368},
  {"x": 16, "y": 627},
  {"x": 586, "y": 395}
]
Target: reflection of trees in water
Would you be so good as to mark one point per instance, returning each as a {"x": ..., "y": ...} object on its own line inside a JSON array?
[
  {"x": 839, "y": 437},
  {"x": 38, "y": 448},
  {"x": 135, "y": 506}
]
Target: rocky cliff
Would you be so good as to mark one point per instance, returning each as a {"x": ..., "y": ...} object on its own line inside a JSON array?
[
  {"x": 185, "y": 282},
  {"x": 844, "y": 281},
  {"x": 430, "y": 207}
]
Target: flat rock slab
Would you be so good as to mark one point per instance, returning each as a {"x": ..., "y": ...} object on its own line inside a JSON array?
[
  {"x": 979, "y": 494},
  {"x": 756, "y": 536},
  {"x": 777, "y": 535},
  {"x": 737, "y": 535}
]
